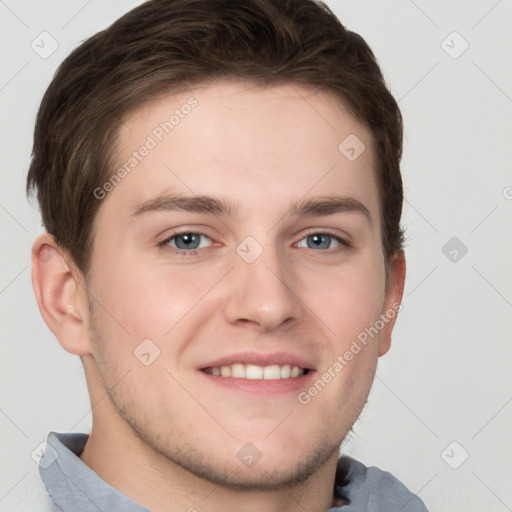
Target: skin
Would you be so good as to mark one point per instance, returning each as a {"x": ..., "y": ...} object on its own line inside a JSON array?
[{"x": 175, "y": 434}]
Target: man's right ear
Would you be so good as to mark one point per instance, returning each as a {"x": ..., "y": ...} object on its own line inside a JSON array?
[{"x": 61, "y": 295}]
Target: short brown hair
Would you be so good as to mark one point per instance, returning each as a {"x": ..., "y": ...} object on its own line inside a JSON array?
[{"x": 166, "y": 45}]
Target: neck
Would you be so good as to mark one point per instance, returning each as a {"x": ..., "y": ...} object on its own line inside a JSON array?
[{"x": 157, "y": 483}]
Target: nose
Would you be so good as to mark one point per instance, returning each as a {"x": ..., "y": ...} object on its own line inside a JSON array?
[{"x": 261, "y": 292}]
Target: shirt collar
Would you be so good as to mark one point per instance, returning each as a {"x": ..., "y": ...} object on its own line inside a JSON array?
[{"x": 72, "y": 485}]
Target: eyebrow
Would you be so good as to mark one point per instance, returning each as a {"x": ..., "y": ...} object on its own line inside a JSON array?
[
  {"x": 329, "y": 205},
  {"x": 198, "y": 204},
  {"x": 326, "y": 205}
]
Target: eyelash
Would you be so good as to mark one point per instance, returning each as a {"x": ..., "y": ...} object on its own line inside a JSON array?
[
  {"x": 180, "y": 252},
  {"x": 186, "y": 253}
]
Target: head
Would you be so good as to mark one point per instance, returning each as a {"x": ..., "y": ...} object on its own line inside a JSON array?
[{"x": 220, "y": 183}]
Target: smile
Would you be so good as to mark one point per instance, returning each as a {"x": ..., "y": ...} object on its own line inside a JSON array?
[{"x": 256, "y": 372}]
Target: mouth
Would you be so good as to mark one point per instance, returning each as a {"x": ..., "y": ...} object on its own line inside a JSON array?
[
  {"x": 257, "y": 372},
  {"x": 260, "y": 373}
]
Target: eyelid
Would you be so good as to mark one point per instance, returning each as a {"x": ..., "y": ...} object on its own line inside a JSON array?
[
  {"x": 198, "y": 229},
  {"x": 185, "y": 231},
  {"x": 344, "y": 236},
  {"x": 340, "y": 239}
]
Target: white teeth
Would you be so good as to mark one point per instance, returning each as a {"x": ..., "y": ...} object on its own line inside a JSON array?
[
  {"x": 285, "y": 371},
  {"x": 272, "y": 372},
  {"x": 255, "y": 372},
  {"x": 238, "y": 371}
]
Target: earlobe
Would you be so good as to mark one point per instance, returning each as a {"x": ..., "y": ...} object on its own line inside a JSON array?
[
  {"x": 393, "y": 299},
  {"x": 60, "y": 296}
]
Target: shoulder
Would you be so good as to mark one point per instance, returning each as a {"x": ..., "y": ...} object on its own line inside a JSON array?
[
  {"x": 390, "y": 493},
  {"x": 370, "y": 489},
  {"x": 29, "y": 494}
]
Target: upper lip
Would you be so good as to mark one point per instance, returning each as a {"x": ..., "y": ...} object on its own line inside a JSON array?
[{"x": 260, "y": 359}]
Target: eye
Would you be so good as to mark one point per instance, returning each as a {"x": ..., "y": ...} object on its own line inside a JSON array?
[
  {"x": 185, "y": 243},
  {"x": 322, "y": 241}
]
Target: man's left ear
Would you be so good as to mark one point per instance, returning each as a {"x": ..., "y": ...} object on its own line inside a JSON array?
[{"x": 392, "y": 301}]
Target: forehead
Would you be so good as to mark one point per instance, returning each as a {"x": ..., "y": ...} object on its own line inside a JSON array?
[{"x": 247, "y": 142}]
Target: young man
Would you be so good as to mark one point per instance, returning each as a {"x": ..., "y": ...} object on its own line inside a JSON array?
[{"x": 221, "y": 190}]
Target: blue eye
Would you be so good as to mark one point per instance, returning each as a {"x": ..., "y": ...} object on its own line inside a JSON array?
[
  {"x": 184, "y": 243},
  {"x": 188, "y": 243},
  {"x": 322, "y": 241}
]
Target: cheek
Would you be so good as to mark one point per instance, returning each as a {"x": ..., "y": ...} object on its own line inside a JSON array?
[
  {"x": 347, "y": 300},
  {"x": 150, "y": 302}
]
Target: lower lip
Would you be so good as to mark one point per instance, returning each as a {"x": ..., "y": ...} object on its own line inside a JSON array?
[{"x": 265, "y": 386}]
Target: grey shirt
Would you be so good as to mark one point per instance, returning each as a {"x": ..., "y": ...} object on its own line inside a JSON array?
[{"x": 74, "y": 487}]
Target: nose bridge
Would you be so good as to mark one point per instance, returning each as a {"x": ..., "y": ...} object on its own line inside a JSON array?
[{"x": 262, "y": 291}]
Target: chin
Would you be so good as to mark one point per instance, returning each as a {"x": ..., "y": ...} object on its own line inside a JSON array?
[{"x": 249, "y": 468}]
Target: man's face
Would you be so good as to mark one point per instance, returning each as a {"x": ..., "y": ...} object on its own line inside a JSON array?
[{"x": 260, "y": 288}]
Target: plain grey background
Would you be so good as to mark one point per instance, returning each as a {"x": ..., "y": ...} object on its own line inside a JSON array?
[{"x": 440, "y": 414}]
